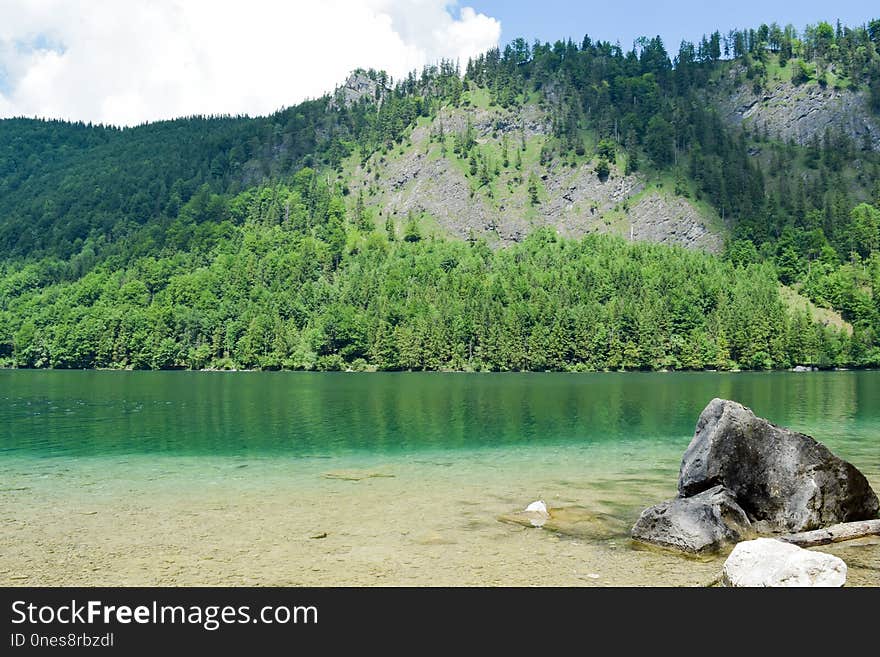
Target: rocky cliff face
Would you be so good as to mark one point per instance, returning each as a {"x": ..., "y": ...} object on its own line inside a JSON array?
[
  {"x": 673, "y": 220},
  {"x": 359, "y": 84},
  {"x": 421, "y": 178},
  {"x": 801, "y": 112}
]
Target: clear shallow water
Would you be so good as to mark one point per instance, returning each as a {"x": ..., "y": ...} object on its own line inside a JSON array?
[{"x": 222, "y": 478}]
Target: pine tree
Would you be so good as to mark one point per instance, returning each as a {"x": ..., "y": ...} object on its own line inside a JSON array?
[
  {"x": 390, "y": 231},
  {"x": 533, "y": 190},
  {"x": 485, "y": 176},
  {"x": 411, "y": 232}
]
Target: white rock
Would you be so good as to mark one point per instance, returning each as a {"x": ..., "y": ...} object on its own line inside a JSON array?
[
  {"x": 768, "y": 562},
  {"x": 538, "y": 507},
  {"x": 538, "y": 513}
]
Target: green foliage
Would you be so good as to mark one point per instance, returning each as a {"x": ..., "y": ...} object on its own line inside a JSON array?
[
  {"x": 533, "y": 189},
  {"x": 866, "y": 229},
  {"x": 742, "y": 253},
  {"x": 282, "y": 294},
  {"x": 607, "y": 150},
  {"x": 660, "y": 140},
  {"x": 411, "y": 232},
  {"x": 801, "y": 73},
  {"x": 390, "y": 231},
  {"x": 632, "y": 164}
]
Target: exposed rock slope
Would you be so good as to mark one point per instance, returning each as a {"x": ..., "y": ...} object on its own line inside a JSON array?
[
  {"x": 423, "y": 177},
  {"x": 802, "y": 112}
]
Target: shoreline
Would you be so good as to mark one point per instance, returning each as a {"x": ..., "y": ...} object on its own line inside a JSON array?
[{"x": 373, "y": 370}]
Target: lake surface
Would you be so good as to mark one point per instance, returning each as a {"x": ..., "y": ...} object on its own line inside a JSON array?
[{"x": 111, "y": 478}]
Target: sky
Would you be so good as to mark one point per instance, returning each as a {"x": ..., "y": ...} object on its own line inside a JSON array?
[
  {"x": 125, "y": 62},
  {"x": 626, "y": 20}
]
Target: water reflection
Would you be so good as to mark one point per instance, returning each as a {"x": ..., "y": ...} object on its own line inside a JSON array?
[{"x": 192, "y": 413}]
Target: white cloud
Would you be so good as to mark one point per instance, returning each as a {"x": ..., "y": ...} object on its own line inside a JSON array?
[{"x": 126, "y": 62}]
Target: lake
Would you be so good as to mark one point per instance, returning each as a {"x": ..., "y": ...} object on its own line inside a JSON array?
[{"x": 282, "y": 478}]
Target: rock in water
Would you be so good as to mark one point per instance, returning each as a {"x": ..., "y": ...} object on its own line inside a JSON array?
[
  {"x": 573, "y": 521},
  {"x": 785, "y": 481},
  {"x": 703, "y": 523},
  {"x": 537, "y": 513},
  {"x": 742, "y": 474},
  {"x": 769, "y": 562},
  {"x": 538, "y": 507}
]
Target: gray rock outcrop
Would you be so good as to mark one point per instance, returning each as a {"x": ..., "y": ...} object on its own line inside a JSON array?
[
  {"x": 360, "y": 84},
  {"x": 742, "y": 474},
  {"x": 703, "y": 523},
  {"x": 785, "y": 481},
  {"x": 802, "y": 113},
  {"x": 768, "y": 562},
  {"x": 417, "y": 177},
  {"x": 672, "y": 220}
]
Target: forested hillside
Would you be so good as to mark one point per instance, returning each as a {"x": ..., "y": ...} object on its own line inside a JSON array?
[
  {"x": 448, "y": 220},
  {"x": 308, "y": 294}
]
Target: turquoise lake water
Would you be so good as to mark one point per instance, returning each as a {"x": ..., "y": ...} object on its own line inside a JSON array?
[
  {"x": 58, "y": 413},
  {"x": 224, "y": 478}
]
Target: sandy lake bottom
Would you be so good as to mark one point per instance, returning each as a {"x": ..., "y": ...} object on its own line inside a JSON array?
[{"x": 425, "y": 519}]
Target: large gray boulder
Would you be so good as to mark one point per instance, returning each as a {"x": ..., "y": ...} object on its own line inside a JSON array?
[
  {"x": 769, "y": 562},
  {"x": 704, "y": 523},
  {"x": 784, "y": 481}
]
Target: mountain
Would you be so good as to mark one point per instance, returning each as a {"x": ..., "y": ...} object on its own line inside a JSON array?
[{"x": 489, "y": 218}]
